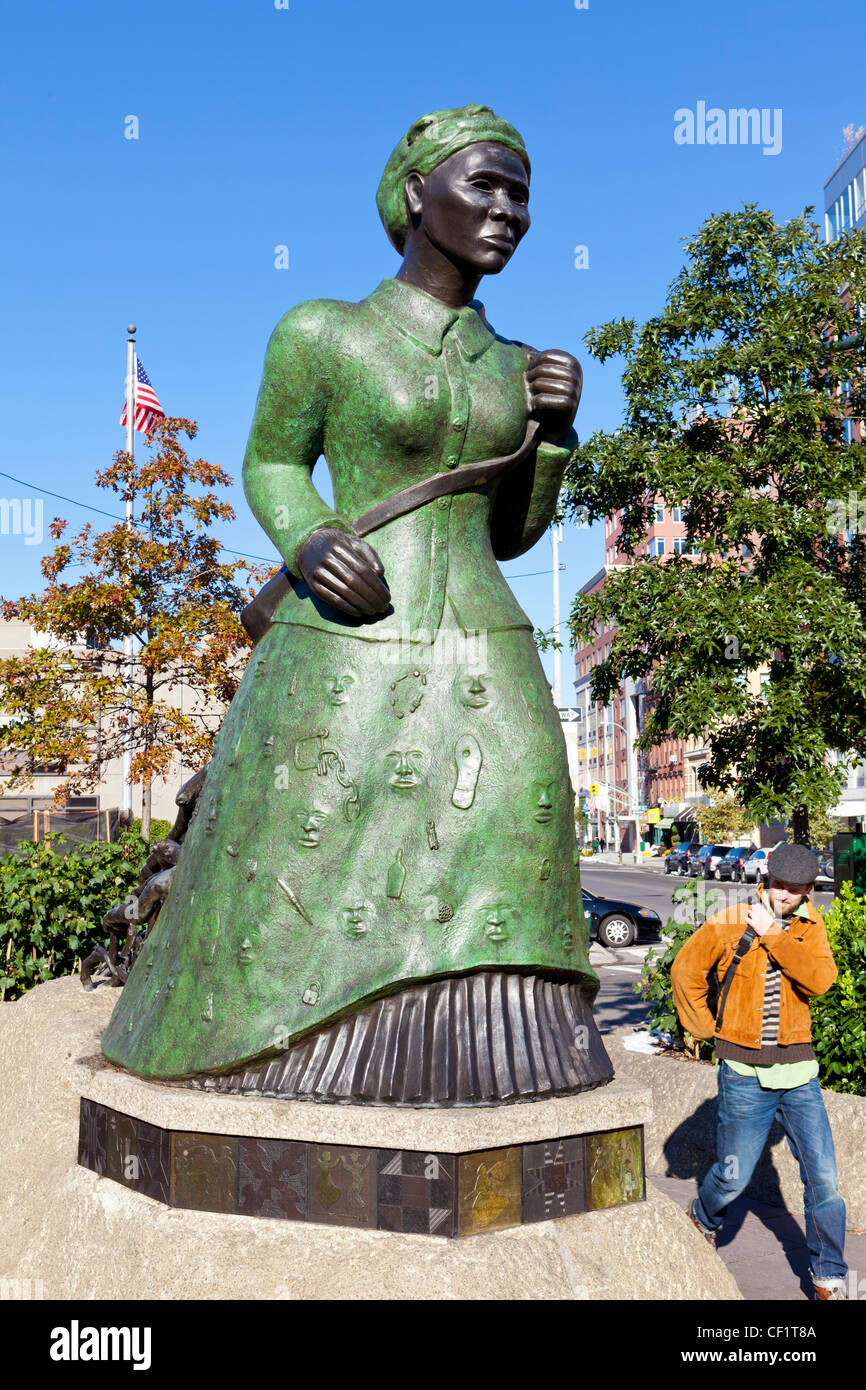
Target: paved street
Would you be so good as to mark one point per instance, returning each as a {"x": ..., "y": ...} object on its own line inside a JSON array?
[{"x": 763, "y": 1246}]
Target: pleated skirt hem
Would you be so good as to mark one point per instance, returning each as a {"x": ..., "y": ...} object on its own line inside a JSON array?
[{"x": 485, "y": 1039}]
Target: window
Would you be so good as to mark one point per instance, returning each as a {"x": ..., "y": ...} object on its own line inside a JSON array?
[
  {"x": 746, "y": 550},
  {"x": 659, "y": 512},
  {"x": 657, "y": 545},
  {"x": 680, "y": 545},
  {"x": 677, "y": 514}
]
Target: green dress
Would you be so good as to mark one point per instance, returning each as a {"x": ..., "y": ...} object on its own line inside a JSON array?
[{"x": 388, "y": 803}]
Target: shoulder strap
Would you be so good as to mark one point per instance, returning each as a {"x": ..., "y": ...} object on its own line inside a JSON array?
[
  {"x": 442, "y": 484},
  {"x": 259, "y": 613},
  {"x": 742, "y": 947}
]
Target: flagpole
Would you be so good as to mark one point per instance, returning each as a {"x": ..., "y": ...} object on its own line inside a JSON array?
[{"x": 127, "y": 641}]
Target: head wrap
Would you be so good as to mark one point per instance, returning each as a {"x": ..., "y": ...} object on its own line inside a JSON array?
[
  {"x": 427, "y": 144},
  {"x": 793, "y": 864}
]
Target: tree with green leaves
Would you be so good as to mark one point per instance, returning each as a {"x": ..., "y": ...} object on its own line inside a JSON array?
[
  {"x": 162, "y": 580},
  {"x": 722, "y": 820},
  {"x": 739, "y": 397}
]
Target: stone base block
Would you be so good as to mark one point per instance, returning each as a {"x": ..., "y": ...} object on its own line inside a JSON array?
[{"x": 106, "y": 1231}]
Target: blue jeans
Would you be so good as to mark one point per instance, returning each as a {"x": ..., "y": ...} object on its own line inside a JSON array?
[{"x": 746, "y": 1112}]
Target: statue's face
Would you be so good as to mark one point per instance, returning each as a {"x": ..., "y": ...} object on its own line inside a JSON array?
[{"x": 474, "y": 207}]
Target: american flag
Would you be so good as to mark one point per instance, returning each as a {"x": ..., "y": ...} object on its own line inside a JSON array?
[{"x": 147, "y": 407}]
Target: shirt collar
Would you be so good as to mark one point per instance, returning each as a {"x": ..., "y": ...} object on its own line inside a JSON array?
[
  {"x": 426, "y": 320},
  {"x": 801, "y": 910}
]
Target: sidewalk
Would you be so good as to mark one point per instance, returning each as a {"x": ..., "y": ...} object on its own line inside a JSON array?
[
  {"x": 764, "y": 1247},
  {"x": 608, "y": 857}
]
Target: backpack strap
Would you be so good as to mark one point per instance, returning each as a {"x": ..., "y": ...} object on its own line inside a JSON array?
[{"x": 744, "y": 943}]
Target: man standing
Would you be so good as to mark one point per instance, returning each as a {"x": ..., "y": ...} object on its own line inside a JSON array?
[{"x": 766, "y": 1066}]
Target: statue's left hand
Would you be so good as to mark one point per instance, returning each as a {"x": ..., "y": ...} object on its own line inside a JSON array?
[{"x": 555, "y": 381}]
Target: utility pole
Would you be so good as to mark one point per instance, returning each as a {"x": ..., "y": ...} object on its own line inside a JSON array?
[
  {"x": 557, "y": 654},
  {"x": 127, "y": 641}
]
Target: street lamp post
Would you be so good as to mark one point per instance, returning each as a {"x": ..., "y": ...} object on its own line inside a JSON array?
[{"x": 631, "y": 792}]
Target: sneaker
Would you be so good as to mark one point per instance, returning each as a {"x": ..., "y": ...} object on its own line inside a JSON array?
[
  {"x": 823, "y": 1292},
  {"x": 709, "y": 1236}
]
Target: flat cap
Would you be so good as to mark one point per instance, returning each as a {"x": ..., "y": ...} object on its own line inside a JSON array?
[{"x": 793, "y": 864}]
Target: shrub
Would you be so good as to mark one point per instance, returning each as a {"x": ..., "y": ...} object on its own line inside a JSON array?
[
  {"x": 158, "y": 829},
  {"x": 838, "y": 1021},
  {"x": 52, "y": 905}
]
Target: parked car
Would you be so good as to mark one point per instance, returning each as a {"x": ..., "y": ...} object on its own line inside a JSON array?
[
  {"x": 674, "y": 861},
  {"x": 730, "y": 868},
  {"x": 615, "y": 923},
  {"x": 755, "y": 868},
  {"x": 705, "y": 863},
  {"x": 688, "y": 856},
  {"x": 826, "y": 879}
]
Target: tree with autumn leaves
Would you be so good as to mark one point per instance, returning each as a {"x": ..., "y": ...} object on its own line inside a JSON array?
[{"x": 163, "y": 581}]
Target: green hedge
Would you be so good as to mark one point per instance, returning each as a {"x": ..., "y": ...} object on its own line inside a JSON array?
[
  {"x": 52, "y": 905},
  {"x": 839, "y": 1016}
]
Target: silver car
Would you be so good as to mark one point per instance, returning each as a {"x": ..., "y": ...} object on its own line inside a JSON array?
[{"x": 755, "y": 867}]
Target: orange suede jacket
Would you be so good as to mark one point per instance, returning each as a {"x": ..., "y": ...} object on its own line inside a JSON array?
[{"x": 802, "y": 954}]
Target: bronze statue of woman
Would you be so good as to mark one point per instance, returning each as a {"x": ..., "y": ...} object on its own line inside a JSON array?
[{"x": 379, "y": 897}]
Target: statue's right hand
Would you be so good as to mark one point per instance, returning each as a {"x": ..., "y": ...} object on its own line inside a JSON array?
[{"x": 344, "y": 571}]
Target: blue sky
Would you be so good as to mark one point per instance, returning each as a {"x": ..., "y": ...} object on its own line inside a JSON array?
[{"x": 261, "y": 127}]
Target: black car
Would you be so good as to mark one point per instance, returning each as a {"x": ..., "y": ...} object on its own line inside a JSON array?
[
  {"x": 674, "y": 861},
  {"x": 614, "y": 923},
  {"x": 731, "y": 867},
  {"x": 706, "y": 861},
  {"x": 688, "y": 857}
]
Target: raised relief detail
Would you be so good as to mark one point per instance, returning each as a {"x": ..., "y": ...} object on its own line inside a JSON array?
[
  {"x": 467, "y": 755},
  {"x": 497, "y": 920},
  {"x": 358, "y": 919},
  {"x": 407, "y": 691},
  {"x": 531, "y": 698},
  {"x": 406, "y": 770},
  {"x": 311, "y": 993},
  {"x": 294, "y": 900},
  {"x": 311, "y": 752},
  {"x": 473, "y": 690},
  {"x": 543, "y": 793},
  {"x": 396, "y": 876},
  {"x": 432, "y": 837},
  {"x": 246, "y": 954},
  {"x": 435, "y": 910},
  {"x": 338, "y": 688},
  {"x": 312, "y": 822}
]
